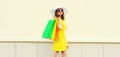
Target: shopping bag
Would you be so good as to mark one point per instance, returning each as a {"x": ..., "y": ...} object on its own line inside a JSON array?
[
  {"x": 48, "y": 31},
  {"x": 55, "y": 32}
]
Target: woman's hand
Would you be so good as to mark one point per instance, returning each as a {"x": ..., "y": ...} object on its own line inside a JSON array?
[
  {"x": 60, "y": 26},
  {"x": 59, "y": 23}
]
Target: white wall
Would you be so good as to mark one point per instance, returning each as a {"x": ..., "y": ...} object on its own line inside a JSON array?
[
  {"x": 87, "y": 20},
  {"x": 92, "y": 27},
  {"x": 43, "y": 49}
]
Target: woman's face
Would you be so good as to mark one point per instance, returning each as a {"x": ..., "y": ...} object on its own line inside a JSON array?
[{"x": 60, "y": 12}]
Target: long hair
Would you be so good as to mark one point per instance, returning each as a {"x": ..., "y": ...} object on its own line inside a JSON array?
[{"x": 56, "y": 15}]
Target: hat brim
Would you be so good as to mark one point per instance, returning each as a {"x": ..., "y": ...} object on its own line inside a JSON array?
[{"x": 53, "y": 10}]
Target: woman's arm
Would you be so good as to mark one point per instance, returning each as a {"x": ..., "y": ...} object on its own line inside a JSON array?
[{"x": 59, "y": 23}]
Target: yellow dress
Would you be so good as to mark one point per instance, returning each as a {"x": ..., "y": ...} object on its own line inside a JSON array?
[{"x": 61, "y": 43}]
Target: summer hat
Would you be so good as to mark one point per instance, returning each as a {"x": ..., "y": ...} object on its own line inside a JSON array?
[{"x": 52, "y": 11}]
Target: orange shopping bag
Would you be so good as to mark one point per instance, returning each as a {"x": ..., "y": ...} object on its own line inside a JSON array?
[{"x": 55, "y": 31}]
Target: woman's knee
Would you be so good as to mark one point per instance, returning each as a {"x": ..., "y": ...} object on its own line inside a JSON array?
[
  {"x": 56, "y": 52},
  {"x": 64, "y": 53}
]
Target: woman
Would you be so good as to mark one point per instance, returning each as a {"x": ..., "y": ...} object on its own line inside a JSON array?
[{"x": 61, "y": 44}]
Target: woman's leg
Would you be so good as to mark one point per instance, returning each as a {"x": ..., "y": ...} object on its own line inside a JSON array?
[
  {"x": 64, "y": 54},
  {"x": 55, "y": 53}
]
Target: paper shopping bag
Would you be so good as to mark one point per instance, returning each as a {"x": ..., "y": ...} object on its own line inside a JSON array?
[
  {"x": 49, "y": 29},
  {"x": 55, "y": 32}
]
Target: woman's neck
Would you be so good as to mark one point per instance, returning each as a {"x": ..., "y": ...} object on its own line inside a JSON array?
[{"x": 59, "y": 17}]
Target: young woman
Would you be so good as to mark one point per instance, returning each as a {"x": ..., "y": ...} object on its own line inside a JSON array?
[{"x": 61, "y": 44}]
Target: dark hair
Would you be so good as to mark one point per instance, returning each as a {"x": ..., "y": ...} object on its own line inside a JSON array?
[{"x": 57, "y": 10}]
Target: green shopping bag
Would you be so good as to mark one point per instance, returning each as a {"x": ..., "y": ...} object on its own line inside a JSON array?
[{"x": 47, "y": 34}]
